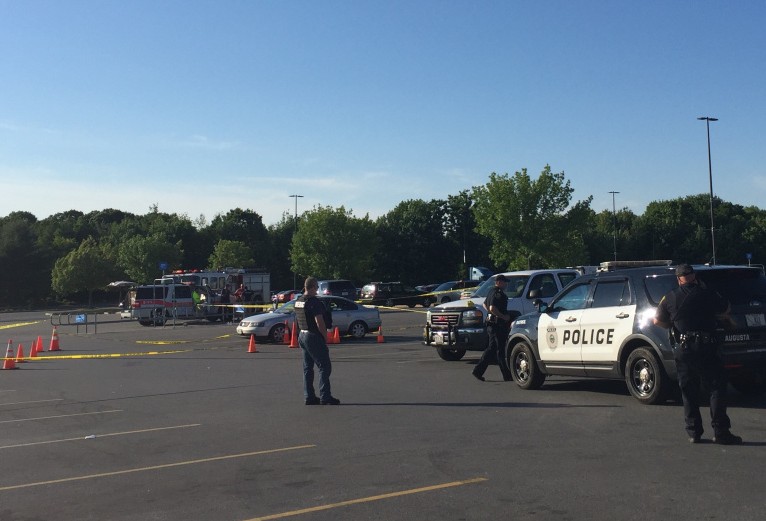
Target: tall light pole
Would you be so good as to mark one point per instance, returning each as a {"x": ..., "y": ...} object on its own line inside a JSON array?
[
  {"x": 295, "y": 196},
  {"x": 707, "y": 121},
  {"x": 614, "y": 224}
]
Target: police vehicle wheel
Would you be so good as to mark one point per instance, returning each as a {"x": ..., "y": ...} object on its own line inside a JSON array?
[
  {"x": 526, "y": 373},
  {"x": 357, "y": 329},
  {"x": 450, "y": 355},
  {"x": 645, "y": 377},
  {"x": 277, "y": 333}
]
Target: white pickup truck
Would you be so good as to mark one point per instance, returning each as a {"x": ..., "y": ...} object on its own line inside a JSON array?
[{"x": 456, "y": 327}]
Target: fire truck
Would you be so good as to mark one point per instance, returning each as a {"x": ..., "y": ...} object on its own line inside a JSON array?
[{"x": 257, "y": 281}]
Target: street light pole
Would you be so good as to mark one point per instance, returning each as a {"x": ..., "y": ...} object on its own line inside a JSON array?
[
  {"x": 707, "y": 121},
  {"x": 614, "y": 224},
  {"x": 295, "y": 196}
]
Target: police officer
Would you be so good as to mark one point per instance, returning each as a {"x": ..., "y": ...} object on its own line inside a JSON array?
[
  {"x": 310, "y": 316},
  {"x": 498, "y": 322},
  {"x": 690, "y": 310}
]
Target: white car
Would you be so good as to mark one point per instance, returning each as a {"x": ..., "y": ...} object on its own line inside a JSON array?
[{"x": 349, "y": 317}]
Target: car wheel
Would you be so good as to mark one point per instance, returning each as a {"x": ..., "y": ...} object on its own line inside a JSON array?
[
  {"x": 277, "y": 333},
  {"x": 357, "y": 329},
  {"x": 450, "y": 355},
  {"x": 751, "y": 384},
  {"x": 390, "y": 302},
  {"x": 146, "y": 323},
  {"x": 525, "y": 371},
  {"x": 645, "y": 377}
]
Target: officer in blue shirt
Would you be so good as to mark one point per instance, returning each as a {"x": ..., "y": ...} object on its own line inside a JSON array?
[{"x": 310, "y": 316}]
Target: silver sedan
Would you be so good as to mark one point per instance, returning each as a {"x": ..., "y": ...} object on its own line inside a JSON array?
[{"x": 349, "y": 317}]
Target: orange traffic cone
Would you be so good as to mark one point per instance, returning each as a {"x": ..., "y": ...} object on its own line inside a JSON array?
[
  {"x": 252, "y": 348},
  {"x": 37, "y": 346},
  {"x": 380, "y": 335},
  {"x": 286, "y": 337},
  {"x": 336, "y": 335},
  {"x": 8, "y": 362},
  {"x": 294, "y": 337},
  {"x": 20, "y": 354},
  {"x": 54, "y": 341}
]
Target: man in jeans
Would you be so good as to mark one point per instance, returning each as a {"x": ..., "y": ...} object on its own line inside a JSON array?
[
  {"x": 310, "y": 317},
  {"x": 498, "y": 323}
]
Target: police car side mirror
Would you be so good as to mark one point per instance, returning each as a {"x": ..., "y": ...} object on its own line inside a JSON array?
[{"x": 534, "y": 294}]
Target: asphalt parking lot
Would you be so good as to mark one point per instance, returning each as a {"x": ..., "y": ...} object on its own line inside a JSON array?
[{"x": 182, "y": 423}]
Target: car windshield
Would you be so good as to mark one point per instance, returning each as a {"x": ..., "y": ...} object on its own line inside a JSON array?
[{"x": 513, "y": 288}]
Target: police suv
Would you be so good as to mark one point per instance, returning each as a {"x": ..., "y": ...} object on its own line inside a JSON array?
[{"x": 601, "y": 326}]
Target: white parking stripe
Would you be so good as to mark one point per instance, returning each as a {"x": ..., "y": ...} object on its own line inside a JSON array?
[
  {"x": 59, "y": 416},
  {"x": 83, "y": 438}
]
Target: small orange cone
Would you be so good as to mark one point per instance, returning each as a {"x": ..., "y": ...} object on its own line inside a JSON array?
[
  {"x": 336, "y": 335},
  {"x": 20, "y": 354},
  {"x": 294, "y": 337},
  {"x": 286, "y": 337},
  {"x": 8, "y": 362},
  {"x": 252, "y": 347},
  {"x": 380, "y": 335},
  {"x": 54, "y": 341}
]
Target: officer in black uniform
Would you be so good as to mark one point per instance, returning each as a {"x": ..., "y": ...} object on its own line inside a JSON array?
[
  {"x": 498, "y": 323},
  {"x": 690, "y": 311},
  {"x": 310, "y": 316}
]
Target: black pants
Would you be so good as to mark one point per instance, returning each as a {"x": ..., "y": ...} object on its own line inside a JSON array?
[
  {"x": 700, "y": 366},
  {"x": 495, "y": 351}
]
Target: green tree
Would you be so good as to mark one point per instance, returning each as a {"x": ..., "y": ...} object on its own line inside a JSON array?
[
  {"x": 278, "y": 261},
  {"x": 86, "y": 268},
  {"x": 413, "y": 246},
  {"x": 528, "y": 221},
  {"x": 140, "y": 257},
  {"x": 25, "y": 276},
  {"x": 245, "y": 226},
  {"x": 227, "y": 253},
  {"x": 332, "y": 243}
]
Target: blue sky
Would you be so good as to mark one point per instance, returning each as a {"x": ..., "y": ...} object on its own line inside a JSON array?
[{"x": 204, "y": 106}]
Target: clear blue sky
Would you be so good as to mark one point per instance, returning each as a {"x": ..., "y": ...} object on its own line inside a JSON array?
[{"x": 205, "y": 106}]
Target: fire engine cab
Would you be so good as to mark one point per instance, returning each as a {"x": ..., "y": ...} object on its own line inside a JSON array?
[{"x": 257, "y": 282}]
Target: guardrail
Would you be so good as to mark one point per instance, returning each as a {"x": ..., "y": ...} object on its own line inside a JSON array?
[{"x": 84, "y": 319}]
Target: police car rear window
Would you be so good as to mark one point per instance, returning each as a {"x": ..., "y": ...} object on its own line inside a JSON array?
[
  {"x": 738, "y": 286},
  {"x": 657, "y": 286}
]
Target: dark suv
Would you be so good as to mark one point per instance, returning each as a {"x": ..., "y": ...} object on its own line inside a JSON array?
[
  {"x": 392, "y": 294},
  {"x": 601, "y": 326},
  {"x": 339, "y": 288}
]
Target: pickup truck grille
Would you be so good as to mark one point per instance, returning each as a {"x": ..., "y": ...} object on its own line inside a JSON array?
[{"x": 444, "y": 320}]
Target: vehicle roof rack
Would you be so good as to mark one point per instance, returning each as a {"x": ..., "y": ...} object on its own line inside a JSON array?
[{"x": 618, "y": 265}]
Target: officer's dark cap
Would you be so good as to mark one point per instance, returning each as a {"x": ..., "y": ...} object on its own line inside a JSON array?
[
  {"x": 684, "y": 269},
  {"x": 501, "y": 278}
]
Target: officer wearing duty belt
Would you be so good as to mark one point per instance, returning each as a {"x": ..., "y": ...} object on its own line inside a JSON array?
[
  {"x": 310, "y": 315},
  {"x": 690, "y": 312}
]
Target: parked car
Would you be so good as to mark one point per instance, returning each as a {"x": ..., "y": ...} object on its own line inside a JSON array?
[
  {"x": 338, "y": 288},
  {"x": 349, "y": 317},
  {"x": 393, "y": 294},
  {"x": 287, "y": 295},
  {"x": 449, "y": 291}
]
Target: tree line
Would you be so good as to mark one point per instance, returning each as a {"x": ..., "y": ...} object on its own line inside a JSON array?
[{"x": 513, "y": 221}]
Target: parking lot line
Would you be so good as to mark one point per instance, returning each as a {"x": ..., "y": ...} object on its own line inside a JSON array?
[
  {"x": 369, "y": 499},
  {"x": 83, "y": 438},
  {"x": 58, "y": 416},
  {"x": 32, "y": 401},
  {"x": 153, "y": 467}
]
